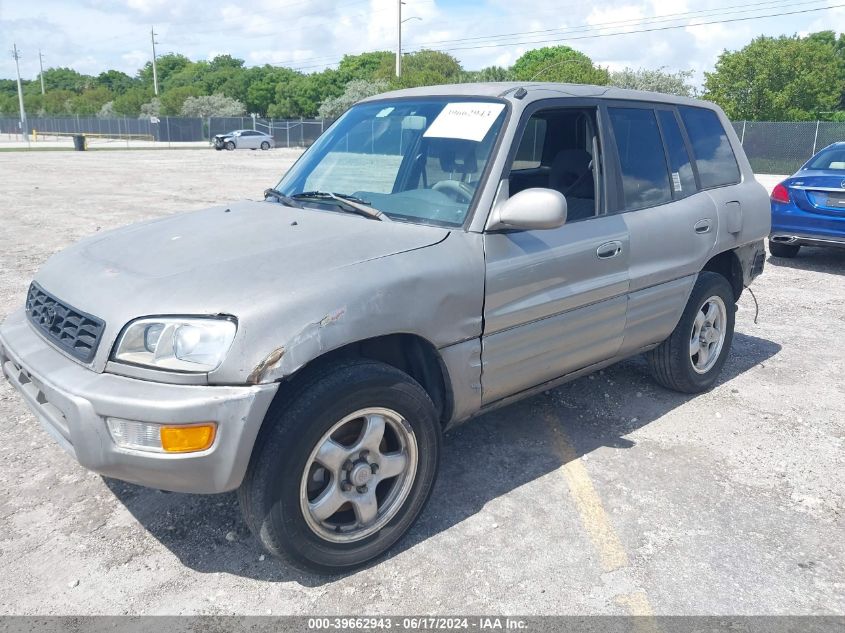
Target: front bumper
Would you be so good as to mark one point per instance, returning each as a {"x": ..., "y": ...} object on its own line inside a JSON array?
[{"x": 72, "y": 403}]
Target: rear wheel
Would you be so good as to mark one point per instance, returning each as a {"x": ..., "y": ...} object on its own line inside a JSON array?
[
  {"x": 690, "y": 360},
  {"x": 265, "y": 145},
  {"x": 343, "y": 471},
  {"x": 779, "y": 249}
]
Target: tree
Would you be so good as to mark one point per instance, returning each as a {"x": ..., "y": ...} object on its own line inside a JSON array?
[
  {"x": 655, "y": 80},
  {"x": 356, "y": 90},
  {"x": 423, "y": 68},
  {"x": 90, "y": 101},
  {"x": 172, "y": 99},
  {"x": 491, "y": 73},
  {"x": 64, "y": 79},
  {"x": 151, "y": 109},
  {"x": 115, "y": 81},
  {"x": 130, "y": 102},
  {"x": 212, "y": 105},
  {"x": 779, "y": 79},
  {"x": 559, "y": 64},
  {"x": 166, "y": 65},
  {"x": 262, "y": 83},
  {"x": 364, "y": 66}
]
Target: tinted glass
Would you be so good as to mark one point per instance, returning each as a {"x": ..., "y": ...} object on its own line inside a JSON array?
[
  {"x": 529, "y": 154},
  {"x": 828, "y": 159},
  {"x": 645, "y": 180},
  {"x": 683, "y": 180},
  {"x": 713, "y": 154}
]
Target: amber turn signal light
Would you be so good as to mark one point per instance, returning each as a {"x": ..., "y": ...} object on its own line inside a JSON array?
[{"x": 187, "y": 438}]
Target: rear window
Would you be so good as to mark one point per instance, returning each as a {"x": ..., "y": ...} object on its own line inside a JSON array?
[
  {"x": 645, "y": 179},
  {"x": 833, "y": 158},
  {"x": 683, "y": 179},
  {"x": 713, "y": 154}
]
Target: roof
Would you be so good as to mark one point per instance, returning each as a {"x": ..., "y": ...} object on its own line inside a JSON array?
[{"x": 536, "y": 90}]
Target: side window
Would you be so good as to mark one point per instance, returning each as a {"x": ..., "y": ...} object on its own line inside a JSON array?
[
  {"x": 713, "y": 154},
  {"x": 556, "y": 152},
  {"x": 529, "y": 154},
  {"x": 645, "y": 180},
  {"x": 683, "y": 179}
]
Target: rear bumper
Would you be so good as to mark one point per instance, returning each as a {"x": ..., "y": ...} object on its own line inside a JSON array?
[
  {"x": 780, "y": 237},
  {"x": 72, "y": 403},
  {"x": 794, "y": 225}
]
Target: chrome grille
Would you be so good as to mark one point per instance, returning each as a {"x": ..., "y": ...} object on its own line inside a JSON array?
[{"x": 69, "y": 329}]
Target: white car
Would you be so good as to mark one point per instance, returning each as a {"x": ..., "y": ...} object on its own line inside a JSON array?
[{"x": 243, "y": 139}]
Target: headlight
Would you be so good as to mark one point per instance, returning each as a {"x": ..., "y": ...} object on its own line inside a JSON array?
[{"x": 190, "y": 344}]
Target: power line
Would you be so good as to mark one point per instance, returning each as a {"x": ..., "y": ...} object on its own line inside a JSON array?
[{"x": 742, "y": 8}]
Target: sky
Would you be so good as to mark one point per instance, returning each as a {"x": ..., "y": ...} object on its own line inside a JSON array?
[{"x": 94, "y": 35}]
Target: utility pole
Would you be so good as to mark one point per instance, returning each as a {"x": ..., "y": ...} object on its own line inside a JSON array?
[
  {"x": 16, "y": 54},
  {"x": 155, "y": 73},
  {"x": 398, "y": 38},
  {"x": 41, "y": 65}
]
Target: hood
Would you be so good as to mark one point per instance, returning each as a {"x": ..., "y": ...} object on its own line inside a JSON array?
[{"x": 219, "y": 260}]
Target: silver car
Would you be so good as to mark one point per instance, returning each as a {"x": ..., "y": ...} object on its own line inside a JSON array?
[
  {"x": 438, "y": 253},
  {"x": 243, "y": 139}
]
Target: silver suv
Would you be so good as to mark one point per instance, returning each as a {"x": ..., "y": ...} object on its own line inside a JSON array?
[{"x": 437, "y": 253}]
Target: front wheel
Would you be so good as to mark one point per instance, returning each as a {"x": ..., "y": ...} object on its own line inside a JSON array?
[
  {"x": 230, "y": 145},
  {"x": 343, "y": 471},
  {"x": 691, "y": 358}
]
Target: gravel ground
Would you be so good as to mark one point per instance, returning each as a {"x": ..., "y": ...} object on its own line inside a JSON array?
[{"x": 608, "y": 495}]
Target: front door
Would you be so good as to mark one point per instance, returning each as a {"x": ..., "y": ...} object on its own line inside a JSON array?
[{"x": 555, "y": 299}]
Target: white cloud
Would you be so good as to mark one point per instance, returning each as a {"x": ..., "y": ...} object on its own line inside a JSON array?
[{"x": 101, "y": 34}]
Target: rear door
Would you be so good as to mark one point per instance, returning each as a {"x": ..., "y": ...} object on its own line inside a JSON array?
[{"x": 671, "y": 223}]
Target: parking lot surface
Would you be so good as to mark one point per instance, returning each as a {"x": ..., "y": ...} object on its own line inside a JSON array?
[{"x": 608, "y": 495}]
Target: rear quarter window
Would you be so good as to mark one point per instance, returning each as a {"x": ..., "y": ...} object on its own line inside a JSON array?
[{"x": 712, "y": 151}]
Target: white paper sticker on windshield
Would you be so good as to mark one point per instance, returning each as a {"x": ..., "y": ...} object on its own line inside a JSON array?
[
  {"x": 384, "y": 112},
  {"x": 467, "y": 121}
]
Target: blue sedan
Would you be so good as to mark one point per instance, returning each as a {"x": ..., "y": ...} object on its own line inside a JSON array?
[{"x": 808, "y": 208}]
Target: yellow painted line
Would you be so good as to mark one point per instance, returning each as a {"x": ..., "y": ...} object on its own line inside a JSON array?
[
  {"x": 593, "y": 515},
  {"x": 595, "y": 520}
]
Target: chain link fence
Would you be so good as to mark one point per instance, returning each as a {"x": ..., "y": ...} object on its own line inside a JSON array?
[
  {"x": 287, "y": 132},
  {"x": 773, "y": 147}
]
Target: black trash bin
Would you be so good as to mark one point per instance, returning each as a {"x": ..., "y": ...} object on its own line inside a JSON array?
[{"x": 79, "y": 142}]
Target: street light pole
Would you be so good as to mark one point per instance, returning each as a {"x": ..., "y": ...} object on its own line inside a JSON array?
[
  {"x": 17, "y": 57},
  {"x": 41, "y": 66},
  {"x": 398, "y": 38},
  {"x": 155, "y": 73}
]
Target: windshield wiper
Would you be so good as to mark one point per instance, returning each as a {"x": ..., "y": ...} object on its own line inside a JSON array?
[
  {"x": 350, "y": 203},
  {"x": 285, "y": 200}
]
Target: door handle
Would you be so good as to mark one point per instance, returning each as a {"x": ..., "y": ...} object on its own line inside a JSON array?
[
  {"x": 609, "y": 249},
  {"x": 703, "y": 226}
]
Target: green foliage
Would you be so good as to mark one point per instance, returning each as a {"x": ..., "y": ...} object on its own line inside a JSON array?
[
  {"x": 171, "y": 101},
  {"x": 115, "y": 81},
  {"x": 130, "y": 102},
  {"x": 559, "y": 64},
  {"x": 356, "y": 90},
  {"x": 365, "y": 66},
  {"x": 166, "y": 65},
  {"x": 423, "y": 68},
  {"x": 780, "y": 79},
  {"x": 302, "y": 95},
  {"x": 491, "y": 73},
  {"x": 657, "y": 80},
  {"x": 212, "y": 105}
]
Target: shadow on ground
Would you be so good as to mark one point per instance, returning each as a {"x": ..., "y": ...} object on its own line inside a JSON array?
[
  {"x": 482, "y": 460},
  {"x": 823, "y": 260}
]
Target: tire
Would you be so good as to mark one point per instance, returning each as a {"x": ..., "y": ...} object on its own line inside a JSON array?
[
  {"x": 673, "y": 363},
  {"x": 276, "y": 496},
  {"x": 265, "y": 145},
  {"x": 778, "y": 249},
  {"x": 230, "y": 145}
]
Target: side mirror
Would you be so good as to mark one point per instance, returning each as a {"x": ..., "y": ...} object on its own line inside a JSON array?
[{"x": 530, "y": 209}]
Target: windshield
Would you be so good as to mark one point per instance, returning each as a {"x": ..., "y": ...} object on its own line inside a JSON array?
[
  {"x": 419, "y": 161},
  {"x": 833, "y": 158}
]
